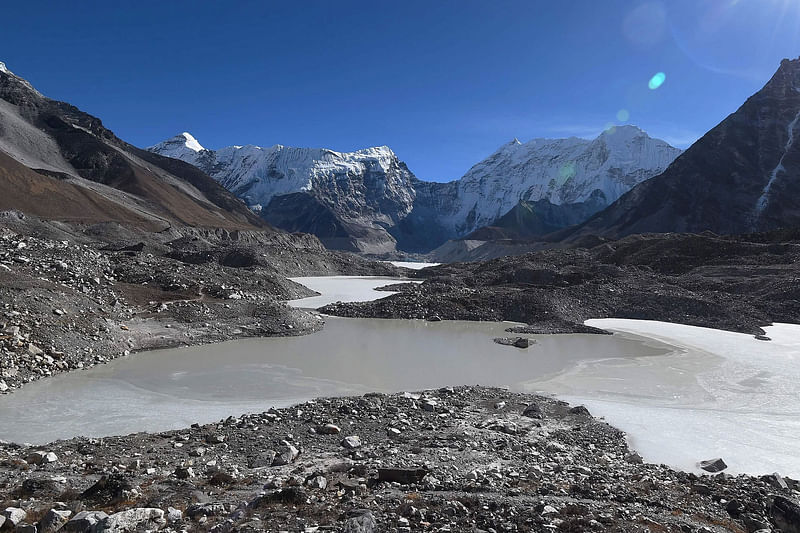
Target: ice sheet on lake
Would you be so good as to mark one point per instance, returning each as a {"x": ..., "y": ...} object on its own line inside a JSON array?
[
  {"x": 344, "y": 289},
  {"x": 413, "y": 265},
  {"x": 719, "y": 394}
]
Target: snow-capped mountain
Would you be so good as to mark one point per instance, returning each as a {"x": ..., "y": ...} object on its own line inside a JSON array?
[
  {"x": 374, "y": 203},
  {"x": 561, "y": 171},
  {"x": 370, "y": 188}
]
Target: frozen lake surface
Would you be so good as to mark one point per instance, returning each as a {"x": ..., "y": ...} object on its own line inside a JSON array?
[
  {"x": 169, "y": 389},
  {"x": 334, "y": 289},
  {"x": 717, "y": 394},
  {"x": 413, "y": 265},
  {"x": 681, "y": 393}
]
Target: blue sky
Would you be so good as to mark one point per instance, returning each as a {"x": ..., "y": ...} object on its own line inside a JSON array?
[{"x": 444, "y": 83}]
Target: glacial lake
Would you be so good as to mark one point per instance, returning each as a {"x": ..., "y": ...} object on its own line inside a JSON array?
[
  {"x": 174, "y": 388},
  {"x": 681, "y": 393}
]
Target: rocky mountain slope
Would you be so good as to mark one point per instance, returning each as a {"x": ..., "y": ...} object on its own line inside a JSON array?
[
  {"x": 742, "y": 176},
  {"x": 369, "y": 201},
  {"x": 61, "y": 163}
]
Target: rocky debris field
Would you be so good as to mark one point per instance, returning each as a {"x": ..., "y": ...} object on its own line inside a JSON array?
[
  {"x": 453, "y": 459},
  {"x": 72, "y": 302},
  {"x": 731, "y": 283}
]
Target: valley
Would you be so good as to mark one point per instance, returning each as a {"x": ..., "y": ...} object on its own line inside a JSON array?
[{"x": 592, "y": 334}]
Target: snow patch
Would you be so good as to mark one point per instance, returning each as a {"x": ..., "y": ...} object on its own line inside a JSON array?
[
  {"x": 761, "y": 204},
  {"x": 3, "y": 68}
]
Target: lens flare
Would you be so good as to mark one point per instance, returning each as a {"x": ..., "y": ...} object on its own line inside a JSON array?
[
  {"x": 623, "y": 115},
  {"x": 657, "y": 81}
]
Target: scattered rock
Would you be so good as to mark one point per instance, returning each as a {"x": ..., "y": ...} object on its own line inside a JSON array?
[
  {"x": 352, "y": 442},
  {"x": 785, "y": 513},
  {"x": 285, "y": 455},
  {"x": 404, "y": 476},
  {"x": 39, "y": 458},
  {"x": 134, "y": 520},
  {"x": 54, "y": 520},
  {"x": 517, "y": 342},
  {"x": 360, "y": 521},
  {"x": 84, "y": 522},
  {"x": 713, "y": 465},
  {"x": 13, "y": 517},
  {"x": 328, "y": 429}
]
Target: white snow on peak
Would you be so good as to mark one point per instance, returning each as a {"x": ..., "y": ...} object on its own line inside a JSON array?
[
  {"x": 257, "y": 174},
  {"x": 373, "y": 183},
  {"x": 562, "y": 171},
  {"x": 183, "y": 146},
  {"x": 191, "y": 143},
  {"x": 3, "y": 68}
]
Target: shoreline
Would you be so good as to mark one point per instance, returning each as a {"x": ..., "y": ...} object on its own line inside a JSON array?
[{"x": 455, "y": 457}]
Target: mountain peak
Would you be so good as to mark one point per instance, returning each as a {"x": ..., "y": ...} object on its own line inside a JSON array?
[
  {"x": 3, "y": 68},
  {"x": 624, "y": 130},
  {"x": 190, "y": 142},
  {"x": 786, "y": 78}
]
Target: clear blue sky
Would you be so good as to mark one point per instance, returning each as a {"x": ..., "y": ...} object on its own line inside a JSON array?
[{"x": 443, "y": 83}]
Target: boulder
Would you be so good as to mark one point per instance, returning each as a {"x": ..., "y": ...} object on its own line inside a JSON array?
[
  {"x": 360, "y": 521},
  {"x": 40, "y": 487},
  {"x": 40, "y": 457},
  {"x": 516, "y": 342},
  {"x": 174, "y": 515},
  {"x": 215, "y": 439},
  {"x": 329, "y": 429},
  {"x": 205, "y": 509},
  {"x": 263, "y": 459},
  {"x": 785, "y": 513},
  {"x": 713, "y": 465},
  {"x": 53, "y": 521},
  {"x": 580, "y": 410},
  {"x": 317, "y": 482},
  {"x": 84, "y": 522},
  {"x": 183, "y": 473},
  {"x": 352, "y": 442},
  {"x": 13, "y": 517},
  {"x": 108, "y": 490},
  {"x": 285, "y": 455},
  {"x": 134, "y": 520},
  {"x": 634, "y": 458},
  {"x": 404, "y": 476},
  {"x": 532, "y": 411}
]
